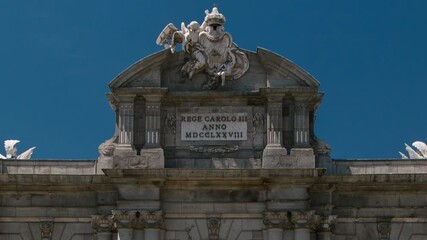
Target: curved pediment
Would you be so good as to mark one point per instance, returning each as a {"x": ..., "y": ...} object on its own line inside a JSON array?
[{"x": 163, "y": 69}]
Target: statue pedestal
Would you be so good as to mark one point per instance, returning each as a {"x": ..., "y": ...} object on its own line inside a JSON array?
[
  {"x": 304, "y": 157},
  {"x": 124, "y": 150},
  {"x": 274, "y": 156},
  {"x": 153, "y": 157}
]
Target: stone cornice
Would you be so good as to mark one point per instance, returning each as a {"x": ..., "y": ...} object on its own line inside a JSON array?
[
  {"x": 139, "y": 91},
  {"x": 215, "y": 174}
]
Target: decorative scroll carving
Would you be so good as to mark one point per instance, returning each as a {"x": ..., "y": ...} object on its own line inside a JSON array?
[
  {"x": 257, "y": 121},
  {"x": 211, "y": 49},
  {"x": 276, "y": 220},
  {"x": 170, "y": 122},
  {"x": 214, "y": 225},
  {"x": 214, "y": 149},
  {"x": 384, "y": 228},
  {"x": 106, "y": 149},
  {"x": 102, "y": 223},
  {"x": 46, "y": 230}
]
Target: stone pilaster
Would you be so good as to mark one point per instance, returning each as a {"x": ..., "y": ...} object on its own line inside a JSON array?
[
  {"x": 301, "y": 125},
  {"x": 275, "y": 223},
  {"x": 324, "y": 231},
  {"x": 125, "y": 125},
  {"x": 153, "y": 223},
  {"x": 152, "y": 124},
  {"x": 138, "y": 224},
  {"x": 274, "y": 122},
  {"x": 274, "y": 153},
  {"x": 304, "y": 222},
  {"x": 301, "y": 152},
  {"x": 103, "y": 227},
  {"x": 152, "y": 151}
]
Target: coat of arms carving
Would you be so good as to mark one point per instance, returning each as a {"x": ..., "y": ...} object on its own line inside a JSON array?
[{"x": 211, "y": 50}]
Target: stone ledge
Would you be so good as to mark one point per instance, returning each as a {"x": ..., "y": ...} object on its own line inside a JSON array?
[
  {"x": 216, "y": 174},
  {"x": 380, "y": 166},
  {"x": 375, "y": 220},
  {"x": 30, "y": 179},
  {"x": 374, "y": 178},
  {"x": 45, "y": 219}
]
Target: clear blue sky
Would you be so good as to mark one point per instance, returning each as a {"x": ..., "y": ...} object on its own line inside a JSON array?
[{"x": 57, "y": 57}]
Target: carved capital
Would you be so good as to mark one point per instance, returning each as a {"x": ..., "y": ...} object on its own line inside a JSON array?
[
  {"x": 276, "y": 220},
  {"x": 305, "y": 220},
  {"x": 300, "y": 107},
  {"x": 46, "y": 230},
  {"x": 124, "y": 219},
  {"x": 152, "y": 219},
  {"x": 102, "y": 223},
  {"x": 326, "y": 223}
]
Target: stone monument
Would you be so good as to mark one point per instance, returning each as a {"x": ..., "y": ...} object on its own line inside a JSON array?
[
  {"x": 212, "y": 105},
  {"x": 213, "y": 143}
]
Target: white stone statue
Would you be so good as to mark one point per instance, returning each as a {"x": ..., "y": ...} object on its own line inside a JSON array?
[
  {"x": 211, "y": 49},
  {"x": 11, "y": 150},
  {"x": 420, "y": 151}
]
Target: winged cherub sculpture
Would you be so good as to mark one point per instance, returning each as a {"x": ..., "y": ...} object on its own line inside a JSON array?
[
  {"x": 10, "y": 147},
  {"x": 211, "y": 49},
  {"x": 420, "y": 151}
]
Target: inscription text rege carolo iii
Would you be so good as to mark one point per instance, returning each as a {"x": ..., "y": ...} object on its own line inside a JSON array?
[{"x": 214, "y": 126}]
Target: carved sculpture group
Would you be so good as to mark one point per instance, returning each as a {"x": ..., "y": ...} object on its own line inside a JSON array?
[
  {"x": 420, "y": 151},
  {"x": 11, "y": 151},
  {"x": 210, "y": 48}
]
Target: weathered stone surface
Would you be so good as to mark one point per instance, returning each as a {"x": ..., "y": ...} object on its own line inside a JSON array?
[{"x": 235, "y": 162}]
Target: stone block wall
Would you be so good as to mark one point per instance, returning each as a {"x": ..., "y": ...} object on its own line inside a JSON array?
[{"x": 182, "y": 204}]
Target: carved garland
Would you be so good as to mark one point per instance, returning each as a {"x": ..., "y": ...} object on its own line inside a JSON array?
[{"x": 213, "y": 149}]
